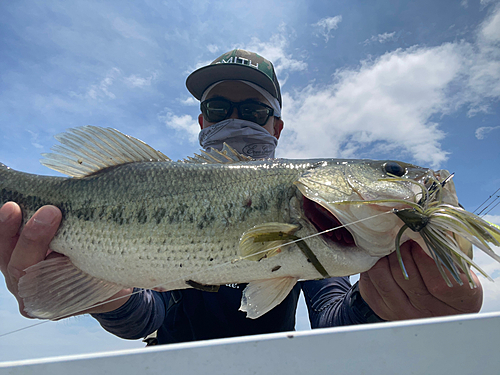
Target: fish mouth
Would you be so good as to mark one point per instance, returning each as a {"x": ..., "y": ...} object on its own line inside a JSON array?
[{"x": 323, "y": 220}]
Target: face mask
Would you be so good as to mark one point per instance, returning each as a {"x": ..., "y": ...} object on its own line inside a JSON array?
[{"x": 245, "y": 137}]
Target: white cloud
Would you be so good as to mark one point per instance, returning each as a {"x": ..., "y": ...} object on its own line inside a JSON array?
[
  {"x": 381, "y": 38},
  {"x": 102, "y": 89},
  {"x": 129, "y": 28},
  {"x": 491, "y": 290},
  {"x": 385, "y": 104},
  {"x": 491, "y": 27},
  {"x": 137, "y": 81},
  {"x": 482, "y": 69},
  {"x": 34, "y": 139},
  {"x": 486, "y": 2},
  {"x": 325, "y": 25},
  {"x": 275, "y": 51},
  {"x": 213, "y": 48},
  {"x": 179, "y": 36},
  {"x": 198, "y": 65},
  {"x": 495, "y": 219},
  {"x": 186, "y": 125},
  {"x": 112, "y": 84},
  {"x": 49, "y": 103},
  {"x": 190, "y": 101},
  {"x": 482, "y": 131}
]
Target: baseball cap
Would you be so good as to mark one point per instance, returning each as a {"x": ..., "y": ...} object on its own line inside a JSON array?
[{"x": 237, "y": 64}]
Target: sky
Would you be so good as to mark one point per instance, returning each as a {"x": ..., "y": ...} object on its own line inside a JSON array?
[{"x": 417, "y": 81}]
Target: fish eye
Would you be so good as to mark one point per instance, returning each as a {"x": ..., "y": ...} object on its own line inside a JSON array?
[{"x": 394, "y": 168}]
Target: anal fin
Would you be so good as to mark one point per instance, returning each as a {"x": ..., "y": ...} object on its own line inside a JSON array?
[
  {"x": 261, "y": 296},
  {"x": 55, "y": 288}
]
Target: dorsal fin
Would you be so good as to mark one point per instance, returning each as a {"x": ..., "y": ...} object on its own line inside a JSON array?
[
  {"x": 89, "y": 149},
  {"x": 213, "y": 156}
]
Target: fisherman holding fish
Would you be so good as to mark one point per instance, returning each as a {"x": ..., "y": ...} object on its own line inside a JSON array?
[{"x": 241, "y": 106}]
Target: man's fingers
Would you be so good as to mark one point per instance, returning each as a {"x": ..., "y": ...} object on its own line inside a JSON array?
[
  {"x": 372, "y": 297},
  {"x": 458, "y": 299},
  {"x": 402, "y": 299},
  {"x": 424, "y": 303},
  {"x": 425, "y": 294},
  {"x": 382, "y": 293},
  {"x": 10, "y": 221},
  {"x": 34, "y": 240}
]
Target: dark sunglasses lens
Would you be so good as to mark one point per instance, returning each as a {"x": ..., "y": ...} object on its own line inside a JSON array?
[
  {"x": 255, "y": 112},
  {"x": 215, "y": 110}
]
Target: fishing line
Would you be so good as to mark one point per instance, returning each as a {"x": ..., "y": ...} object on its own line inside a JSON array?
[
  {"x": 486, "y": 200},
  {"x": 491, "y": 209},
  {"x": 201, "y": 272},
  {"x": 23, "y": 328}
]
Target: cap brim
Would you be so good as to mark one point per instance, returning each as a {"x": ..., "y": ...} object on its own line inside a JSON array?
[{"x": 201, "y": 79}]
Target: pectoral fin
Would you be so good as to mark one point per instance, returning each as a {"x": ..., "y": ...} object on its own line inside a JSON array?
[
  {"x": 55, "y": 288},
  {"x": 264, "y": 240},
  {"x": 262, "y": 296}
]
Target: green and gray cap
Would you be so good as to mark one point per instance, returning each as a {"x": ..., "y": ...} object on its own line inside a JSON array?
[{"x": 237, "y": 64}]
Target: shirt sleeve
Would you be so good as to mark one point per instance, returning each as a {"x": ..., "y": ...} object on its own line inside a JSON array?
[
  {"x": 335, "y": 302},
  {"x": 140, "y": 316}
]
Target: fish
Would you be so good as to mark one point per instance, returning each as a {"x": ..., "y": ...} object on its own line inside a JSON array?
[{"x": 132, "y": 217}]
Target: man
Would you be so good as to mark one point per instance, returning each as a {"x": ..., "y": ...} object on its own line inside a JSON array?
[{"x": 241, "y": 105}]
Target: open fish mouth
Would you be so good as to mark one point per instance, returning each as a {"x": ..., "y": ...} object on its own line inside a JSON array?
[{"x": 327, "y": 224}]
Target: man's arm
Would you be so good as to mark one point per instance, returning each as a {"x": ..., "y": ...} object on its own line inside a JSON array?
[
  {"x": 141, "y": 315},
  {"x": 335, "y": 302}
]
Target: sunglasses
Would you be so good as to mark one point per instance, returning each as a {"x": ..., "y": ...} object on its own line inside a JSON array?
[{"x": 218, "y": 109}]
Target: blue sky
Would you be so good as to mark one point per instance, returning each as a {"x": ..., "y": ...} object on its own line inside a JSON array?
[{"x": 413, "y": 81}]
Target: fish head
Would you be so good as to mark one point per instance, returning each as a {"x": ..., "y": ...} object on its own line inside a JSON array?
[{"x": 361, "y": 195}]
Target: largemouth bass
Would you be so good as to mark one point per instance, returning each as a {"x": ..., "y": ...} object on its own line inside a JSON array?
[{"x": 134, "y": 218}]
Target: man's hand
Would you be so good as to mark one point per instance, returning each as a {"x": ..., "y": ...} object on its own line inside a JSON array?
[
  {"x": 19, "y": 251},
  {"x": 425, "y": 294}
]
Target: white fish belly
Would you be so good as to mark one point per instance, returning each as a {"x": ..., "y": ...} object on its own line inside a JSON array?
[{"x": 167, "y": 255}]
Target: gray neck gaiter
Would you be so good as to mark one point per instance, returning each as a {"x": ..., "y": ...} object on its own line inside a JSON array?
[{"x": 246, "y": 137}]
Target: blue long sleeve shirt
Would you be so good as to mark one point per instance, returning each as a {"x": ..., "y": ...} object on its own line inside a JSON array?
[{"x": 191, "y": 314}]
